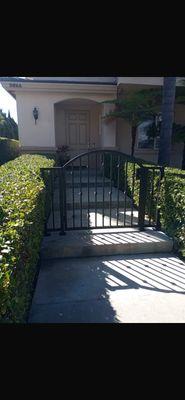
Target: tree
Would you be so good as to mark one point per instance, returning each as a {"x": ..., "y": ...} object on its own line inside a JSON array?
[
  {"x": 8, "y": 127},
  {"x": 168, "y": 103},
  {"x": 136, "y": 107},
  {"x": 178, "y": 136},
  {"x": 146, "y": 104}
]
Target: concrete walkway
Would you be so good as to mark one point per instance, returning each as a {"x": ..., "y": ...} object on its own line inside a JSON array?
[
  {"x": 123, "y": 275},
  {"x": 112, "y": 289}
]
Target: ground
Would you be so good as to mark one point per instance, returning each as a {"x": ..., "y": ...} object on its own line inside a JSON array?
[{"x": 112, "y": 289}]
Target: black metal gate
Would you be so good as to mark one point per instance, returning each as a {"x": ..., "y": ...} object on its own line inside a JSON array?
[{"x": 102, "y": 189}]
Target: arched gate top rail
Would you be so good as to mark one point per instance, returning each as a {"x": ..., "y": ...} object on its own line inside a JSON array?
[{"x": 108, "y": 151}]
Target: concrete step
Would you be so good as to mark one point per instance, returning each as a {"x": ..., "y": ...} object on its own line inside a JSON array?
[
  {"x": 101, "y": 242},
  {"x": 92, "y": 204},
  {"x": 92, "y": 184},
  {"x": 127, "y": 202},
  {"x": 99, "y": 205},
  {"x": 127, "y": 218},
  {"x": 85, "y": 180}
]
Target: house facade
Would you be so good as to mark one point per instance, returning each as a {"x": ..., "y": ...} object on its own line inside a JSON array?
[{"x": 71, "y": 110}]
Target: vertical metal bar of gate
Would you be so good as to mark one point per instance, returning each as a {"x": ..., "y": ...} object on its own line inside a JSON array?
[
  {"x": 80, "y": 192},
  {"x": 158, "y": 222},
  {"x": 103, "y": 196},
  {"x": 45, "y": 216},
  {"x": 118, "y": 174},
  {"x": 110, "y": 193},
  {"x": 73, "y": 195},
  {"x": 52, "y": 171},
  {"x": 64, "y": 197},
  {"x": 142, "y": 197},
  {"x": 61, "y": 200},
  {"x": 125, "y": 192},
  {"x": 88, "y": 211},
  {"x": 96, "y": 192},
  {"x": 132, "y": 194},
  {"x": 151, "y": 196}
]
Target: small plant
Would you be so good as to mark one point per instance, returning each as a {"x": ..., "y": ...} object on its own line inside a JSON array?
[{"x": 62, "y": 155}]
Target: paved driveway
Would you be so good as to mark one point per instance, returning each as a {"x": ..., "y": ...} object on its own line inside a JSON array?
[{"x": 112, "y": 289}]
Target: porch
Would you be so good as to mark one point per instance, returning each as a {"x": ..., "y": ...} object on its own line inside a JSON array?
[{"x": 80, "y": 125}]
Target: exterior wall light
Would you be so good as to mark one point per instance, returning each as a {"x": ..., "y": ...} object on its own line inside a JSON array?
[{"x": 35, "y": 114}]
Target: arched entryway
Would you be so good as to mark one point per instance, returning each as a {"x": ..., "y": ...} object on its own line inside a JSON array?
[{"x": 78, "y": 125}]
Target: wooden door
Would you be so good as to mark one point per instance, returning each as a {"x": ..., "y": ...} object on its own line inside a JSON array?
[{"x": 77, "y": 131}]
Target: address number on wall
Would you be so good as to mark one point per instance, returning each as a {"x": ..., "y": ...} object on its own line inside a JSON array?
[{"x": 15, "y": 85}]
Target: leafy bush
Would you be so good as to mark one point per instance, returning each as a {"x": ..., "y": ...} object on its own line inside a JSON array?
[
  {"x": 22, "y": 204},
  {"x": 9, "y": 149},
  {"x": 173, "y": 206}
]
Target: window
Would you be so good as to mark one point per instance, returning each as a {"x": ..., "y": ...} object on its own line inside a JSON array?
[{"x": 144, "y": 141}]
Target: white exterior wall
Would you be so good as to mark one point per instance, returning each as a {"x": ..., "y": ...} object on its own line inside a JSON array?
[
  {"x": 89, "y": 79},
  {"x": 42, "y": 135},
  {"x": 108, "y": 134}
]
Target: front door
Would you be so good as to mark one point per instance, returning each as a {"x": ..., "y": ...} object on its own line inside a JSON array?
[{"x": 77, "y": 131}]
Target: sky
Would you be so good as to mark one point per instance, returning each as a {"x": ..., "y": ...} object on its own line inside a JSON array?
[{"x": 8, "y": 103}]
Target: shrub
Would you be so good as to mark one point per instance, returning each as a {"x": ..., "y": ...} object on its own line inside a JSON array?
[
  {"x": 173, "y": 206},
  {"x": 9, "y": 149},
  {"x": 22, "y": 224},
  {"x": 153, "y": 178}
]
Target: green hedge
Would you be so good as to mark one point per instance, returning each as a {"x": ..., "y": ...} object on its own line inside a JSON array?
[
  {"x": 22, "y": 205},
  {"x": 9, "y": 149},
  {"x": 171, "y": 205},
  {"x": 152, "y": 179}
]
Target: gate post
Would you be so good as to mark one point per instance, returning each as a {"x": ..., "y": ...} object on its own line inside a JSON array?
[
  {"x": 61, "y": 200},
  {"x": 142, "y": 197},
  {"x": 158, "y": 215}
]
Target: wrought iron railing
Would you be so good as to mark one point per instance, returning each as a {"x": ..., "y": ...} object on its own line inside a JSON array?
[{"x": 98, "y": 189}]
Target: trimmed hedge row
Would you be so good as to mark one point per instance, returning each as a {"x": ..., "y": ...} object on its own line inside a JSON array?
[
  {"x": 171, "y": 205},
  {"x": 22, "y": 217},
  {"x": 9, "y": 149}
]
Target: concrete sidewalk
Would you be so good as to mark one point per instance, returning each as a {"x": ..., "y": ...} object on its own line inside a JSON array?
[{"x": 111, "y": 289}]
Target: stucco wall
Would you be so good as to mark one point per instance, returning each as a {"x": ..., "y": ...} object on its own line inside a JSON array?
[
  {"x": 89, "y": 79},
  {"x": 42, "y": 135}
]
